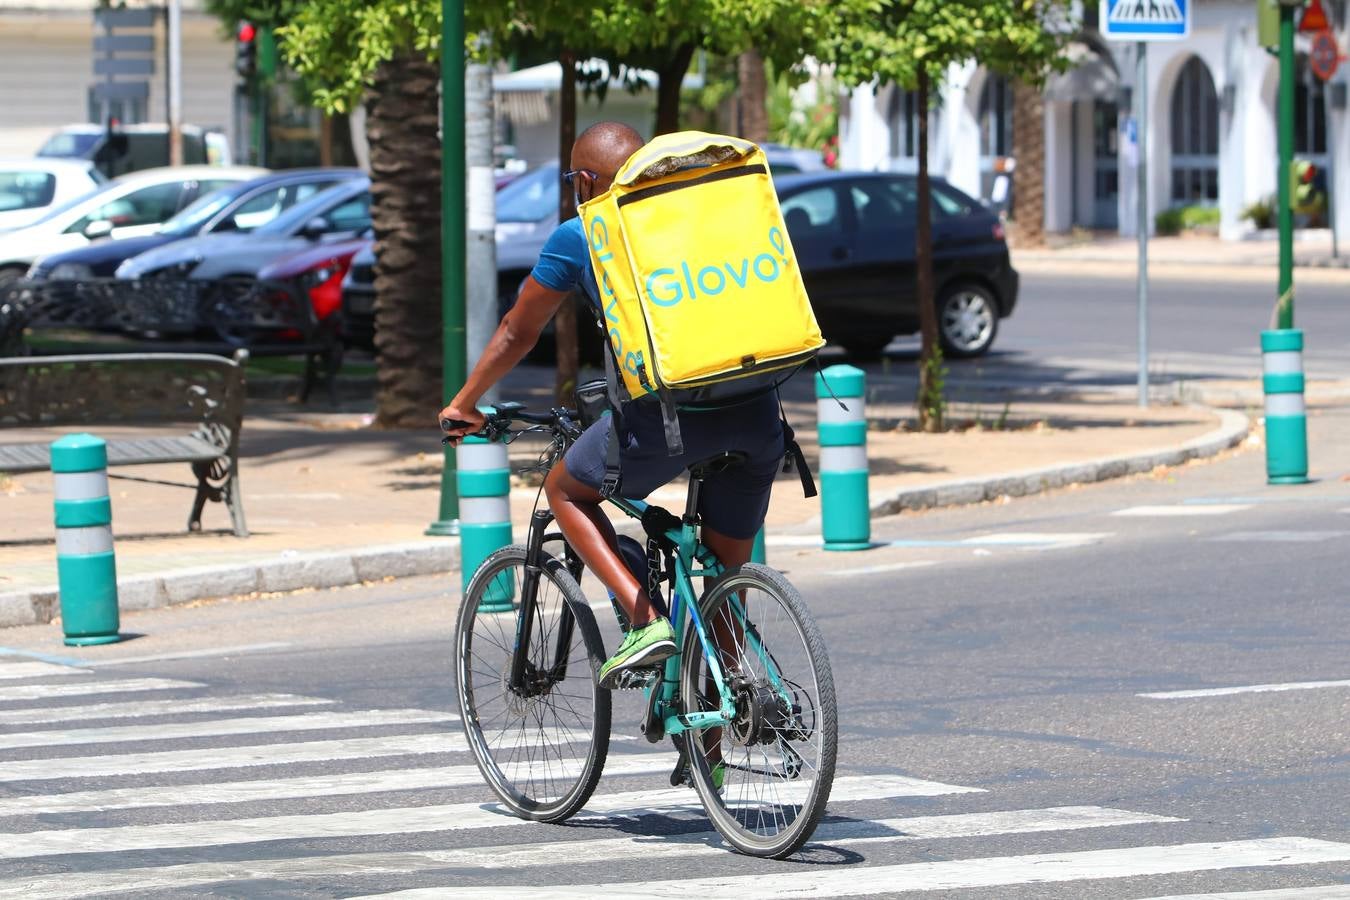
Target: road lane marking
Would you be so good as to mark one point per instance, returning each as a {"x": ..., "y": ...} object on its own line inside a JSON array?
[
  {"x": 1206, "y": 509},
  {"x": 345, "y": 784},
  {"x": 44, "y": 715},
  {"x": 37, "y": 670},
  {"x": 1037, "y": 538},
  {"x": 946, "y": 875},
  {"x": 1245, "y": 689},
  {"x": 675, "y": 846},
  {"x": 130, "y": 685},
  {"x": 219, "y": 727},
  {"x": 185, "y": 654},
  {"x": 1317, "y": 892},
  {"x": 409, "y": 820},
  {"x": 886, "y": 567},
  {"x": 1280, "y": 537},
  {"x": 241, "y": 757}
]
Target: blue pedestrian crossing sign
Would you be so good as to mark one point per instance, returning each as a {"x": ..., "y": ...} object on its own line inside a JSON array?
[{"x": 1146, "y": 20}]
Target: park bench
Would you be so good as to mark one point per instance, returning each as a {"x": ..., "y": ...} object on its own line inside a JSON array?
[
  {"x": 109, "y": 315},
  {"x": 202, "y": 392}
]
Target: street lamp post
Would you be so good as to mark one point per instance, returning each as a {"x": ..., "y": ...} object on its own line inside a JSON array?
[{"x": 453, "y": 366}]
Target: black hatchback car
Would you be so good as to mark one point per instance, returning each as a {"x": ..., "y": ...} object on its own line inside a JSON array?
[{"x": 853, "y": 234}]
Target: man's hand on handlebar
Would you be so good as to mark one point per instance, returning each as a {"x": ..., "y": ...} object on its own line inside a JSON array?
[{"x": 457, "y": 422}]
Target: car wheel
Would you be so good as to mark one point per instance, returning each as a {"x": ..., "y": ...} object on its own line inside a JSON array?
[
  {"x": 10, "y": 274},
  {"x": 967, "y": 320}
]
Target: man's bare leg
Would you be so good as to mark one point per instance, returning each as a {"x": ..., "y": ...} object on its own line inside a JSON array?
[{"x": 588, "y": 530}]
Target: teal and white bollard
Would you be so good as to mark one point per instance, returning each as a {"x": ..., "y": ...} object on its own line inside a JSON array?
[
  {"x": 85, "y": 567},
  {"x": 1286, "y": 416},
  {"x": 484, "y": 479},
  {"x": 844, "y": 509}
]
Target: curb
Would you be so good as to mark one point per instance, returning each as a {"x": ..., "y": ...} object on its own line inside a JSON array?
[
  {"x": 1233, "y": 427},
  {"x": 288, "y": 572},
  {"x": 1051, "y": 256}
]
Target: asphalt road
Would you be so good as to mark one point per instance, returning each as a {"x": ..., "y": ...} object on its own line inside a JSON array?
[
  {"x": 1019, "y": 660},
  {"x": 1079, "y": 328}
]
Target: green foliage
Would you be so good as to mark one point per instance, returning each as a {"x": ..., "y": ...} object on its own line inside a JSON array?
[
  {"x": 933, "y": 398},
  {"x": 1186, "y": 218},
  {"x": 890, "y": 40},
  {"x": 813, "y": 127},
  {"x": 1261, "y": 213}
]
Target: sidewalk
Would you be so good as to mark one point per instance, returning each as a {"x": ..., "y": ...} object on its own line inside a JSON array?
[
  {"x": 331, "y": 501},
  {"x": 1311, "y": 250}
]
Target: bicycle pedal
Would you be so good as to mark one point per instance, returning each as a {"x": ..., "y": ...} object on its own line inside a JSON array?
[{"x": 636, "y": 679}]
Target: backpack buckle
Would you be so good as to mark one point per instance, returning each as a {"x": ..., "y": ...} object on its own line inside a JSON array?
[{"x": 610, "y": 485}]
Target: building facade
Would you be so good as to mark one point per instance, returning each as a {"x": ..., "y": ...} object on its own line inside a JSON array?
[{"x": 1211, "y": 126}]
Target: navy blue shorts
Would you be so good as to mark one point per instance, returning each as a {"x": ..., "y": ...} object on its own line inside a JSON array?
[{"x": 734, "y": 502}]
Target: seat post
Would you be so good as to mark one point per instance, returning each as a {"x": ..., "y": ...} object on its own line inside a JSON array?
[{"x": 691, "y": 502}]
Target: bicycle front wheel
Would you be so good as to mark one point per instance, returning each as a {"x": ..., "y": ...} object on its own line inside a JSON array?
[
  {"x": 777, "y": 755},
  {"x": 541, "y": 747}
]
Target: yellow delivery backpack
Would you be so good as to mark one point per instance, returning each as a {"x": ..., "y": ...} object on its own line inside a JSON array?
[{"x": 701, "y": 296}]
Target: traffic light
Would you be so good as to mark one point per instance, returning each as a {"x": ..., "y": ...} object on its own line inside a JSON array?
[{"x": 246, "y": 50}]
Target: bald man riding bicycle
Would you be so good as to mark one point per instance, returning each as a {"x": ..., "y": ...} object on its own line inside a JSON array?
[{"x": 734, "y": 503}]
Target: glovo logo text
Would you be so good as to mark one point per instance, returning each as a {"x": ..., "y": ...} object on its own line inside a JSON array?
[
  {"x": 631, "y": 361},
  {"x": 671, "y": 286}
]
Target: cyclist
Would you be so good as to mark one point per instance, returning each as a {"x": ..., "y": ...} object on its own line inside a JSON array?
[{"x": 734, "y": 504}]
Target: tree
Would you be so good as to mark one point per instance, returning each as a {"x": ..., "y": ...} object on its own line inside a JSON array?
[
  {"x": 913, "y": 43},
  {"x": 1028, "y": 146},
  {"x": 752, "y": 96}
]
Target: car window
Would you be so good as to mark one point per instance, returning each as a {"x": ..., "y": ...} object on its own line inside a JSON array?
[
  {"x": 257, "y": 210},
  {"x": 147, "y": 206},
  {"x": 65, "y": 143},
  {"x": 529, "y": 198},
  {"x": 950, "y": 203},
  {"x": 811, "y": 210},
  {"x": 354, "y": 215},
  {"x": 210, "y": 185},
  {"x": 882, "y": 205},
  {"x": 198, "y": 213},
  {"x": 26, "y": 190}
]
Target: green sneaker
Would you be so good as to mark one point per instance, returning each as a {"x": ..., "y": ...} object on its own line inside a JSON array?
[{"x": 641, "y": 647}]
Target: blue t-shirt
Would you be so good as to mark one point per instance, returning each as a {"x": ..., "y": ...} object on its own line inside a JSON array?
[{"x": 565, "y": 262}]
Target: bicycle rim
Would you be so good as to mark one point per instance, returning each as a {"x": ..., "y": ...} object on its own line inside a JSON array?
[
  {"x": 542, "y": 750},
  {"x": 779, "y": 754}
]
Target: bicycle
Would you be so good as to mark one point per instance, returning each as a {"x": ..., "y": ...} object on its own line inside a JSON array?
[{"x": 539, "y": 724}]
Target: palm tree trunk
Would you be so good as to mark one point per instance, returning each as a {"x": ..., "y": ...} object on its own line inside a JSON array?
[
  {"x": 752, "y": 102},
  {"x": 1028, "y": 211},
  {"x": 930, "y": 360},
  {"x": 670, "y": 80},
  {"x": 565, "y": 321},
  {"x": 405, "y": 152}
]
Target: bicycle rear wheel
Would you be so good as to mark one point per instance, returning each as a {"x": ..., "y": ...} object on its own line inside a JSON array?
[
  {"x": 541, "y": 749},
  {"x": 779, "y": 752}
]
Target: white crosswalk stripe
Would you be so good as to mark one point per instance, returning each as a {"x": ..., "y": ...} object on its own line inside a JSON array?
[
  {"x": 407, "y": 820},
  {"x": 221, "y": 727},
  {"x": 1317, "y": 892},
  {"x": 193, "y": 834},
  {"x": 37, "y": 670},
  {"x": 140, "y": 709},
  {"x": 947, "y": 875},
  {"x": 18, "y": 692},
  {"x": 516, "y": 856}
]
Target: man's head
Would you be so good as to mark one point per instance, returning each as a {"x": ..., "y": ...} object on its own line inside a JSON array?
[{"x": 597, "y": 155}]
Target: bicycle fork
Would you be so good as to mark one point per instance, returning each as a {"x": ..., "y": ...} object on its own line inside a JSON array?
[{"x": 527, "y": 679}]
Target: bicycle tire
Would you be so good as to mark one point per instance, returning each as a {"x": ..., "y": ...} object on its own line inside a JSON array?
[
  {"x": 517, "y": 779},
  {"x": 731, "y": 809}
]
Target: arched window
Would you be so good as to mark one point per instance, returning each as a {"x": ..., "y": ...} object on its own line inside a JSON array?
[
  {"x": 902, "y": 118},
  {"x": 1195, "y": 136}
]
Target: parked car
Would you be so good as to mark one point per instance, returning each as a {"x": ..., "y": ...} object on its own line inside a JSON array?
[
  {"x": 239, "y": 207},
  {"x": 134, "y": 147},
  {"x": 128, "y": 206},
  {"x": 854, "y": 238},
  {"x": 339, "y": 213},
  {"x": 358, "y": 299},
  {"x": 31, "y": 188},
  {"x": 317, "y": 271}
]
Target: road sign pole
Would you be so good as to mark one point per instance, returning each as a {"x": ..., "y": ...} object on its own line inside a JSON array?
[
  {"x": 1286, "y": 158},
  {"x": 1141, "y": 213},
  {"x": 453, "y": 364}
]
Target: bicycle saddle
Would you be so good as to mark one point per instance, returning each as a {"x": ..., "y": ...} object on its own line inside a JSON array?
[{"x": 729, "y": 459}]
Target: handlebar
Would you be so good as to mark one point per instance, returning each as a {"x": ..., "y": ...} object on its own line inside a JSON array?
[{"x": 499, "y": 419}]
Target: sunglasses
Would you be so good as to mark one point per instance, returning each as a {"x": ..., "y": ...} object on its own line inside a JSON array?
[{"x": 570, "y": 177}]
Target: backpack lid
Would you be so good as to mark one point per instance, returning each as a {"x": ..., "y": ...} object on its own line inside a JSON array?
[{"x": 671, "y": 153}]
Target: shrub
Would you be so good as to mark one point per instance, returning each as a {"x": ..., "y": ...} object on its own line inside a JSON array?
[
  {"x": 1168, "y": 222},
  {"x": 1261, "y": 213},
  {"x": 1186, "y": 218}
]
